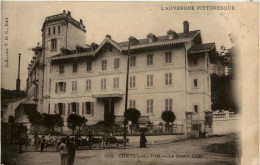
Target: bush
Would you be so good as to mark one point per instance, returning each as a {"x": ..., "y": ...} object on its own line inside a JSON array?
[{"x": 168, "y": 117}]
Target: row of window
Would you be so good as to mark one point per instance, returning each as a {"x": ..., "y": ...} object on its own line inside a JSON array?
[
  {"x": 87, "y": 108},
  {"x": 52, "y": 30},
  {"x": 61, "y": 86},
  {"x": 132, "y": 61}
]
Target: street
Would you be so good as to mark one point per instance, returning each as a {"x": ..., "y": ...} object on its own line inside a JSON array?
[{"x": 193, "y": 151}]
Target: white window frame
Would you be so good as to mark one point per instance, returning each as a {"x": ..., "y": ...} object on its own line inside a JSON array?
[
  {"x": 75, "y": 68},
  {"x": 54, "y": 44},
  {"x": 132, "y": 82},
  {"x": 88, "y": 85},
  {"x": 61, "y": 69},
  {"x": 116, "y": 83},
  {"x": 132, "y": 103},
  {"x": 104, "y": 65},
  {"x": 74, "y": 86},
  {"x": 103, "y": 84},
  {"x": 149, "y": 59},
  {"x": 149, "y": 82},
  {"x": 168, "y": 104},
  {"x": 149, "y": 106},
  {"x": 132, "y": 61},
  {"x": 168, "y": 79},
  {"x": 89, "y": 66},
  {"x": 168, "y": 57},
  {"x": 60, "y": 87},
  {"x": 116, "y": 63}
]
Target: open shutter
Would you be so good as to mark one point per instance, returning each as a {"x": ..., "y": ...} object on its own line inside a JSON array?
[
  {"x": 64, "y": 87},
  {"x": 92, "y": 108},
  {"x": 83, "y": 109},
  {"x": 64, "y": 109},
  {"x": 55, "y": 108},
  {"x": 68, "y": 108},
  {"x": 56, "y": 87},
  {"x": 77, "y": 108}
]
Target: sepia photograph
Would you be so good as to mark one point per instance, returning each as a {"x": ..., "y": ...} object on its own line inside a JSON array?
[{"x": 145, "y": 83}]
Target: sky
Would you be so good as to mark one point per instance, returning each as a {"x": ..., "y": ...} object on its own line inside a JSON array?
[{"x": 119, "y": 19}]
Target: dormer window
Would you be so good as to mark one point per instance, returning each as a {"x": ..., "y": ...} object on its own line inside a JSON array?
[
  {"x": 94, "y": 46},
  {"x": 133, "y": 40},
  {"x": 151, "y": 37},
  {"x": 172, "y": 34}
]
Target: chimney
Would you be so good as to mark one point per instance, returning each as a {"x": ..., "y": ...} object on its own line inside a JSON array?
[
  {"x": 68, "y": 13},
  {"x": 64, "y": 11},
  {"x": 18, "y": 81},
  {"x": 81, "y": 21},
  {"x": 108, "y": 36},
  {"x": 185, "y": 27}
]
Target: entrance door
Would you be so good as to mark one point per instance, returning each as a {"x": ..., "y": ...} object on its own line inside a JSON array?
[{"x": 108, "y": 108}]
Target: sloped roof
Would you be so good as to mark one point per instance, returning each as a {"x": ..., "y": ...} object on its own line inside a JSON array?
[
  {"x": 143, "y": 43},
  {"x": 202, "y": 48}
]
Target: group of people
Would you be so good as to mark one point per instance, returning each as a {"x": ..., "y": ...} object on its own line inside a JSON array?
[{"x": 67, "y": 150}]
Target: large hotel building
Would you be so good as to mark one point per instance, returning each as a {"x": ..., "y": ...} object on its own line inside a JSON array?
[{"x": 169, "y": 72}]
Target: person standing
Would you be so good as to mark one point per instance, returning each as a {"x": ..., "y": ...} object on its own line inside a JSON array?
[
  {"x": 64, "y": 152},
  {"x": 42, "y": 142},
  {"x": 72, "y": 150},
  {"x": 21, "y": 141},
  {"x": 143, "y": 140}
]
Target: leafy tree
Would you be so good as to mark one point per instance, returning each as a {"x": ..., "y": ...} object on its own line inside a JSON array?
[
  {"x": 35, "y": 117},
  {"x": 133, "y": 115},
  {"x": 75, "y": 121},
  {"x": 168, "y": 117},
  {"x": 222, "y": 94},
  {"x": 11, "y": 119}
]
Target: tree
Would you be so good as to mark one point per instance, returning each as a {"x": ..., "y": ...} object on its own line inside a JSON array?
[
  {"x": 133, "y": 115},
  {"x": 168, "y": 117},
  {"x": 75, "y": 121},
  {"x": 35, "y": 117},
  {"x": 222, "y": 93}
]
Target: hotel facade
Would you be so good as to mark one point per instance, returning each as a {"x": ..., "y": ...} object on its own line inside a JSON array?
[{"x": 169, "y": 72}]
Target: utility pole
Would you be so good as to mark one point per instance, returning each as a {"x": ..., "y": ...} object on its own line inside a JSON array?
[
  {"x": 18, "y": 81},
  {"x": 126, "y": 89}
]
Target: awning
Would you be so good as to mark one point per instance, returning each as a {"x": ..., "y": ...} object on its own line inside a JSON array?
[
  {"x": 201, "y": 48},
  {"x": 141, "y": 120},
  {"x": 115, "y": 95},
  {"x": 119, "y": 120}
]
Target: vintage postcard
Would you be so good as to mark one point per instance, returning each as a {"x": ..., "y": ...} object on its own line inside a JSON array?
[{"x": 129, "y": 83}]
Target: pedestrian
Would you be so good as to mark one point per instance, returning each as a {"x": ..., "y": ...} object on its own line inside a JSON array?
[
  {"x": 72, "y": 150},
  {"x": 21, "y": 141},
  {"x": 90, "y": 139},
  {"x": 64, "y": 152},
  {"x": 42, "y": 142},
  {"x": 143, "y": 140}
]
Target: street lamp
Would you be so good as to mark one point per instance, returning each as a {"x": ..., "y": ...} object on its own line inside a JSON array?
[{"x": 126, "y": 89}]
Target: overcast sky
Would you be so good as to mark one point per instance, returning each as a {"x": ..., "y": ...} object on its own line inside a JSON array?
[{"x": 119, "y": 19}]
